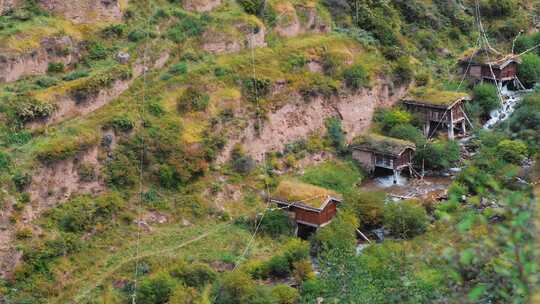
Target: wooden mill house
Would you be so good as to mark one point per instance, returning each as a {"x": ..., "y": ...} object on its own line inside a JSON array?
[
  {"x": 376, "y": 151},
  {"x": 439, "y": 109},
  {"x": 311, "y": 207},
  {"x": 486, "y": 63}
]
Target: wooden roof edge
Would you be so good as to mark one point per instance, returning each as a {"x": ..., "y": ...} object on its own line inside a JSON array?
[
  {"x": 431, "y": 105},
  {"x": 358, "y": 147},
  {"x": 306, "y": 207}
]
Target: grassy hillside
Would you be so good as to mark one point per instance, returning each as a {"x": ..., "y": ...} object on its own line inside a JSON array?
[{"x": 126, "y": 147}]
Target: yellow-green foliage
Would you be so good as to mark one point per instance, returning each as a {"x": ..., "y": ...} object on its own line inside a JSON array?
[
  {"x": 58, "y": 148},
  {"x": 295, "y": 191}
]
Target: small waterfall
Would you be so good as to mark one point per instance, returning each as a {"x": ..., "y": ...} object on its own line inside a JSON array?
[
  {"x": 510, "y": 100},
  {"x": 388, "y": 181}
]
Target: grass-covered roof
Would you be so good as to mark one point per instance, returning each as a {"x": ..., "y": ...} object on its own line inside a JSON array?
[
  {"x": 486, "y": 55},
  {"x": 435, "y": 97},
  {"x": 382, "y": 144},
  {"x": 294, "y": 191}
]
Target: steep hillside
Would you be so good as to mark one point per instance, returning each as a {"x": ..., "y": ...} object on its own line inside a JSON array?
[{"x": 146, "y": 134}]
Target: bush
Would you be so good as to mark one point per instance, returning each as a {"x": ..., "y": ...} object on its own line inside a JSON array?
[
  {"x": 55, "y": 67},
  {"x": 487, "y": 97},
  {"x": 278, "y": 267},
  {"x": 255, "y": 89},
  {"x": 368, "y": 207},
  {"x": 122, "y": 172},
  {"x": 113, "y": 31},
  {"x": 46, "y": 82},
  {"x": 188, "y": 26},
  {"x": 137, "y": 35},
  {"x": 193, "y": 100},
  {"x": 97, "y": 51},
  {"x": 155, "y": 290},
  {"x": 438, "y": 155},
  {"x": 529, "y": 70},
  {"x": 390, "y": 118},
  {"x": 403, "y": 72},
  {"x": 76, "y": 75},
  {"x": 121, "y": 123},
  {"x": 318, "y": 86},
  {"x": 285, "y": 294},
  {"x": 356, "y": 77},
  {"x": 331, "y": 63},
  {"x": 5, "y": 161},
  {"x": 87, "y": 173},
  {"x": 178, "y": 69},
  {"x": 336, "y": 134},
  {"x": 407, "y": 132},
  {"x": 234, "y": 287},
  {"x": 21, "y": 180},
  {"x": 339, "y": 235},
  {"x": 28, "y": 109},
  {"x": 512, "y": 151},
  {"x": 498, "y": 8},
  {"x": 253, "y": 7},
  {"x": 241, "y": 162},
  {"x": 276, "y": 223},
  {"x": 405, "y": 219},
  {"x": 194, "y": 275}
]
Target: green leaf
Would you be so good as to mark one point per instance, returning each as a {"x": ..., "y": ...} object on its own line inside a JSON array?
[{"x": 477, "y": 292}]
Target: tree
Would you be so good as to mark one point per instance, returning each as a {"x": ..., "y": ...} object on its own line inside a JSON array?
[
  {"x": 368, "y": 206},
  {"x": 405, "y": 219},
  {"x": 529, "y": 69},
  {"x": 512, "y": 151},
  {"x": 487, "y": 97}
]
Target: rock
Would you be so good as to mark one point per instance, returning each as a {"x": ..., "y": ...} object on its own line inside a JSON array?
[
  {"x": 123, "y": 57},
  {"x": 320, "y": 300},
  {"x": 186, "y": 223}
]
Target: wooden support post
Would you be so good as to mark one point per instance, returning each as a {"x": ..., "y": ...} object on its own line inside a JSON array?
[
  {"x": 451, "y": 126},
  {"x": 427, "y": 126},
  {"x": 464, "y": 127},
  {"x": 396, "y": 174}
]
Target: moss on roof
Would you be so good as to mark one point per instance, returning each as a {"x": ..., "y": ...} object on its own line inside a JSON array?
[
  {"x": 485, "y": 56},
  {"x": 381, "y": 144},
  {"x": 435, "y": 97},
  {"x": 291, "y": 190}
]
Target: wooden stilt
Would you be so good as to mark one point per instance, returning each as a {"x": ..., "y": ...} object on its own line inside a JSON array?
[{"x": 451, "y": 126}]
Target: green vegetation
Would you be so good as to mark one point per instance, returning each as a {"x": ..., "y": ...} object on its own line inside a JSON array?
[
  {"x": 186, "y": 127},
  {"x": 435, "y": 97}
]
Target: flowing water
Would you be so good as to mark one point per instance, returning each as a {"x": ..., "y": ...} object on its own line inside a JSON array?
[{"x": 510, "y": 100}]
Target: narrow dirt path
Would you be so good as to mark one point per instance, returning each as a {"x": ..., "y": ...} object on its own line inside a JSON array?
[{"x": 84, "y": 292}]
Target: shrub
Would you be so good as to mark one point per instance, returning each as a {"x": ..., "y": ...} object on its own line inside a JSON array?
[
  {"x": 331, "y": 63},
  {"x": 193, "y": 100},
  {"x": 121, "y": 171},
  {"x": 113, "y": 31},
  {"x": 368, "y": 207},
  {"x": 498, "y": 8},
  {"x": 241, "y": 162},
  {"x": 155, "y": 290},
  {"x": 407, "y": 132},
  {"x": 303, "y": 271},
  {"x": 121, "y": 123},
  {"x": 405, "y": 219},
  {"x": 403, "y": 72},
  {"x": 55, "y": 67},
  {"x": 28, "y": 109},
  {"x": 253, "y": 7},
  {"x": 529, "y": 70},
  {"x": 487, "y": 97},
  {"x": 97, "y": 51},
  {"x": 318, "y": 86},
  {"x": 46, "y": 82},
  {"x": 356, "y": 77},
  {"x": 276, "y": 223},
  {"x": 91, "y": 86},
  {"x": 76, "y": 75},
  {"x": 188, "y": 26},
  {"x": 278, "y": 266},
  {"x": 285, "y": 294},
  {"x": 21, "y": 180},
  {"x": 336, "y": 134},
  {"x": 87, "y": 173},
  {"x": 137, "y": 35},
  {"x": 178, "y": 69},
  {"x": 194, "y": 275},
  {"x": 438, "y": 155},
  {"x": 5, "y": 161},
  {"x": 234, "y": 287},
  {"x": 255, "y": 89},
  {"x": 339, "y": 235},
  {"x": 390, "y": 118},
  {"x": 512, "y": 151}
]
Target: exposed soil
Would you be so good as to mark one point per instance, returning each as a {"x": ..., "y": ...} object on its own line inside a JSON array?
[
  {"x": 200, "y": 5},
  {"x": 85, "y": 11},
  {"x": 298, "y": 118}
]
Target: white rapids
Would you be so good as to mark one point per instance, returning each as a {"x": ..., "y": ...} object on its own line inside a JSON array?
[{"x": 510, "y": 100}]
